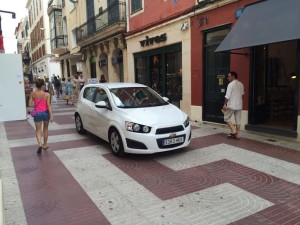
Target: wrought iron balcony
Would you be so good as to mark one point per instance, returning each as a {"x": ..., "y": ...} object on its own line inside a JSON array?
[{"x": 114, "y": 14}]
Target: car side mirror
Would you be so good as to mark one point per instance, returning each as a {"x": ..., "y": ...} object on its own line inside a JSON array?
[
  {"x": 101, "y": 105},
  {"x": 166, "y": 99}
]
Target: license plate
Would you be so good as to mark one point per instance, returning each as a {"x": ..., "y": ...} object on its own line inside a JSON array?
[{"x": 172, "y": 141}]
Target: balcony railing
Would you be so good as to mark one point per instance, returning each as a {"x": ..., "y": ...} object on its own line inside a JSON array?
[{"x": 115, "y": 13}]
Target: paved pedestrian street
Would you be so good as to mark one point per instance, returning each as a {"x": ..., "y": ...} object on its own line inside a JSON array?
[{"x": 216, "y": 180}]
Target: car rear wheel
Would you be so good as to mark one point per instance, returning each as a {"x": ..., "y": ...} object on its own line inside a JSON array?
[
  {"x": 116, "y": 143},
  {"x": 79, "y": 125}
]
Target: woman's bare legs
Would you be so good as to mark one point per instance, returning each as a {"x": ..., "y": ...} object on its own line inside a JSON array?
[
  {"x": 45, "y": 131},
  {"x": 38, "y": 132}
]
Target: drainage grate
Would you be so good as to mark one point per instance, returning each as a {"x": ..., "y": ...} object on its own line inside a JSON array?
[{"x": 272, "y": 140}]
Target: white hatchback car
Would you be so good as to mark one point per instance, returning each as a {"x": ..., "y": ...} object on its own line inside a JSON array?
[{"x": 132, "y": 117}]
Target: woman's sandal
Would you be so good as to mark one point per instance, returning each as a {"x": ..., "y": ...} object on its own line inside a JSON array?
[
  {"x": 39, "y": 151},
  {"x": 45, "y": 148},
  {"x": 231, "y": 135}
]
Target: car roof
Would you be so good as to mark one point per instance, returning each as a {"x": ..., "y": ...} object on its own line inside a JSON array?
[{"x": 117, "y": 85}]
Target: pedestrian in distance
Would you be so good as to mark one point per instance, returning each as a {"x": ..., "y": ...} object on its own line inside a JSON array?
[
  {"x": 28, "y": 90},
  {"x": 57, "y": 86},
  {"x": 70, "y": 91},
  {"x": 49, "y": 88},
  {"x": 40, "y": 100},
  {"x": 233, "y": 104},
  {"x": 81, "y": 81},
  {"x": 76, "y": 83},
  {"x": 64, "y": 87}
]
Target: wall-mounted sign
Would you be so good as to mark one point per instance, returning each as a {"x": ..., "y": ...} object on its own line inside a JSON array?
[
  {"x": 221, "y": 78},
  {"x": 203, "y": 20},
  {"x": 150, "y": 41},
  {"x": 184, "y": 26}
]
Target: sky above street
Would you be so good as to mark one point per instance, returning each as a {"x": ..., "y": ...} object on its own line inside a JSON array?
[{"x": 8, "y": 24}]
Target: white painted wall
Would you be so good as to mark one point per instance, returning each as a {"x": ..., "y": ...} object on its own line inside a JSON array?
[{"x": 12, "y": 94}]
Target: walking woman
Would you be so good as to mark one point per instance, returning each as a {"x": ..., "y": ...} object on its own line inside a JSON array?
[{"x": 40, "y": 100}]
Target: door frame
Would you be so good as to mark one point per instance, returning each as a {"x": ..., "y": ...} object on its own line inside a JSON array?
[{"x": 204, "y": 68}]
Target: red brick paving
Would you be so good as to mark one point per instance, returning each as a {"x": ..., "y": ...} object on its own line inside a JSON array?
[
  {"x": 167, "y": 184},
  {"x": 64, "y": 119},
  {"x": 19, "y": 129},
  {"x": 51, "y": 195}
]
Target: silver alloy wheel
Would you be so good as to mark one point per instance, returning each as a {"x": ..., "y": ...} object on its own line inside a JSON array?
[
  {"x": 79, "y": 125},
  {"x": 116, "y": 142}
]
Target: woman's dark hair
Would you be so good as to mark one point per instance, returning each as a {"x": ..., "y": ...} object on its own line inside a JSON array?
[
  {"x": 39, "y": 83},
  {"x": 234, "y": 74},
  {"x": 63, "y": 79}
]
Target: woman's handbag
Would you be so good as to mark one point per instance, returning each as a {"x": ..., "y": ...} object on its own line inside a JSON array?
[
  {"x": 67, "y": 97},
  {"x": 33, "y": 112}
]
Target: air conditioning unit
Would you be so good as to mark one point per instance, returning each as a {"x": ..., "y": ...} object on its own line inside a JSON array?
[
  {"x": 102, "y": 62},
  {"x": 117, "y": 59}
]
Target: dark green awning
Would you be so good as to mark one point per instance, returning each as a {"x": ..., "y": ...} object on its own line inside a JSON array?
[{"x": 264, "y": 22}]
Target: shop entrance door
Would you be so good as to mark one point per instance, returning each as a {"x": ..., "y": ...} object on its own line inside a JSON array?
[
  {"x": 216, "y": 68},
  {"x": 274, "y": 88}
]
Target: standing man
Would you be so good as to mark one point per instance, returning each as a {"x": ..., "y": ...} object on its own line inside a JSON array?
[
  {"x": 234, "y": 104},
  {"x": 81, "y": 81},
  {"x": 57, "y": 86}
]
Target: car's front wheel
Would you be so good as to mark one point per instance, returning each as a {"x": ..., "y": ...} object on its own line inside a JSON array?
[
  {"x": 116, "y": 142},
  {"x": 79, "y": 125}
]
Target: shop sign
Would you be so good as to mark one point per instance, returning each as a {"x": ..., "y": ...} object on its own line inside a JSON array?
[{"x": 150, "y": 41}]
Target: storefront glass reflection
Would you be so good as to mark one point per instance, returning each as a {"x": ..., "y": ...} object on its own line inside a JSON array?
[{"x": 163, "y": 73}]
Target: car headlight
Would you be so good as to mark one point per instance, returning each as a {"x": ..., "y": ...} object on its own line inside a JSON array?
[
  {"x": 187, "y": 122},
  {"x": 135, "y": 127}
]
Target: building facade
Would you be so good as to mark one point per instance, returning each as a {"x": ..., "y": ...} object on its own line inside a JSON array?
[
  {"x": 42, "y": 60},
  {"x": 158, "y": 43},
  {"x": 174, "y": 51},
  {"x": 23, "y": 46},
  {"x": 94, "y": 38}
]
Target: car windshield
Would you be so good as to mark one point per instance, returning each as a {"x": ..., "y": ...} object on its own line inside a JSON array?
[{"x": 136, "y": 97}]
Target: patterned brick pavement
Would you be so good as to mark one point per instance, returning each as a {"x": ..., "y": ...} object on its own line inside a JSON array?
[{"x": 215, "y": 180}]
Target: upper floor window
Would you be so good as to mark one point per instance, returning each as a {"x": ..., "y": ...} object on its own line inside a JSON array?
[{"x": 136, "y": 5}]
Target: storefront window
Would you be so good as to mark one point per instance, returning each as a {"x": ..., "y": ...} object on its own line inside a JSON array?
[
  {"x": 216, "y": 37},
  {"x": 141, "y": 70},
  {"x": 156, "y": 79},
  {"x": 174, "y": 76},
  {"x": 161, "y": 69}
]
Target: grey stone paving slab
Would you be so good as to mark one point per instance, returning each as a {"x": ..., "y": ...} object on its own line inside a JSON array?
[
  {"x": 220, "y": 204},
  {"x": 117, "y": 194}
]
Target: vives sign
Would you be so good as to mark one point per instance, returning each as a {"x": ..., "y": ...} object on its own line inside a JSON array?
[{"x": 150, "y": 41}]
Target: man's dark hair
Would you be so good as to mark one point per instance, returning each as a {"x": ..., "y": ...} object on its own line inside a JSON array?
[{"x": 234, "y": 74}]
